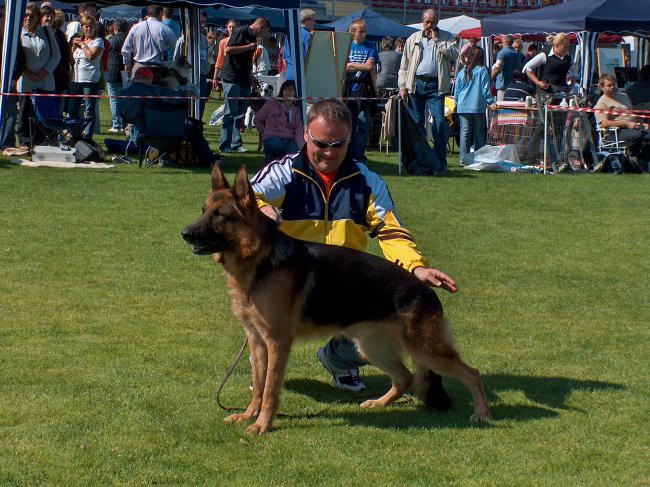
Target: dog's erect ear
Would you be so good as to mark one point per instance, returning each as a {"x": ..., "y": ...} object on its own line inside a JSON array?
[
  {"x": 218, "y": 179},
  {"x": 242, "y": 188}
]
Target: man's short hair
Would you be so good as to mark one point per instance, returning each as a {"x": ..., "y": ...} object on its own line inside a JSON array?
[
  {"x": 168, "y": 12},
  {"x": 506, "y": 40},
  {"x": 307, "y": 14},
  {"x": 121, "y": 25},
  {"x": 606, "y": 77},
  {"x": 332, "y": 111},
  {"x": 429, "y": 11},
  {"x": 154, "y": 11},
  {"x": 59, "y": 18}
]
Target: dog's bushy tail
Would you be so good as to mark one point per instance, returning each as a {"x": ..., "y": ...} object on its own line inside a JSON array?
[{"x": 428, "y": 389}]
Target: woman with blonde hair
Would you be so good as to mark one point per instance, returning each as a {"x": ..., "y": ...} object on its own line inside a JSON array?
[
  {"x": 556, "y": 62},
  {"x": 87, "y": 55}
]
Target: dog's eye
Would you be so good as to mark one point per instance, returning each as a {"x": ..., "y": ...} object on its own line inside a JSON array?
[{"x": 217, "y": 218}]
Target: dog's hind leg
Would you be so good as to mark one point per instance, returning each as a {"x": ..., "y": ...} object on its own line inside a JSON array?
[
  {"x": 278, "y": 356},
  {"x": 383, "y": 351},
  {"x": 450, "y": 364}
]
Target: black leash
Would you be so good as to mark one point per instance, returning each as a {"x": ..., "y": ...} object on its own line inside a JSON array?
[{"x": 305, "y": 416}]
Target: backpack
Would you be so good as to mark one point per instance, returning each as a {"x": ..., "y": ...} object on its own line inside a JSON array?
[{"x": 88, "y": 151}]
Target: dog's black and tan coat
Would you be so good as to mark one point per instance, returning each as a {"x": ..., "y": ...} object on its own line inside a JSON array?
[{"x": 282, "y": 289}]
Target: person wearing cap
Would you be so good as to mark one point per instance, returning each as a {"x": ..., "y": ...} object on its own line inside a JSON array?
[
  {"x": 132, "y": 111},
  {"x": 148, "y": 42}
]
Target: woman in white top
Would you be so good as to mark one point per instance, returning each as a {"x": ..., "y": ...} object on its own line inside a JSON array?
[
  {"x": 41, "y": 57},
  {"x": 87, "y": 56}
]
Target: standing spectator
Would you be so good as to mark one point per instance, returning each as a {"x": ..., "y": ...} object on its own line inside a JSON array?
[
  {"x": 531, "y": 52},
  {"x": 425, "y": 79},
  {"x": 237, "y": 79},
  {"x": 114, "y": 73},
  {"x": 279, "y": 122},
  {"x": 506, "y": 62},
  {"x": 231, "y": 25},
  {"x": 261, "y": 60},
  {"x": 87, "y": 9},
  {"x": 389, "y": 61},
  {"x": 361, "y": 81},
  {"x": 213, "y": 48},
  {"x": 41, "y": 57},
  {"x": 399, "y": 45},
  {"x": 168, "y": 20},
  {"x": 87, "y": 54},
  {"x": 466, "y": 50},
  {"x": 556, "y": 63},
  {"x": 472, "y": 97},
  {"x": 62, "y": 71},
  {"x": 307, "y": 21},
  {"x": 8, "y": 135},
  {"x": 148, "y": 42},
  {"x": 271, "y": 45},
  {"x": 517, "y": 45},
  {"x": 205, "y": 83}
]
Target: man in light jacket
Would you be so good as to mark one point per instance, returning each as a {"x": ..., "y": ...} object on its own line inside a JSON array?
[{"x": 425, "y": 78}]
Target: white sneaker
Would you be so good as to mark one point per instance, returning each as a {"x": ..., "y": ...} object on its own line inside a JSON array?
[
  {"x": 343, "y": 379},
  {"x": 242, "y": 149},
  {"x": 113, "y": 130}
]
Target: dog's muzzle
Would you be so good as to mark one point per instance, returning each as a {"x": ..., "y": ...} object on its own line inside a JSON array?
[{"x": 200, "y": 242}]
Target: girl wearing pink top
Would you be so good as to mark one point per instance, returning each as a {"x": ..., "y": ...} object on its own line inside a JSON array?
[{"x": 279, "y": 122}]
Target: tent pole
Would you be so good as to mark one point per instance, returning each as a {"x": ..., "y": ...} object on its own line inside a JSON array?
[{"x": 399, "y": 135}]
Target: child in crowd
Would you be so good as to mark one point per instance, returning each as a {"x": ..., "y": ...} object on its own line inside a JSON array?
[{"x": 472, "y": 98}]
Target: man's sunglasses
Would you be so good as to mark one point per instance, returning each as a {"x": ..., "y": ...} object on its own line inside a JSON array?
[{"x": 324, "y": 145}]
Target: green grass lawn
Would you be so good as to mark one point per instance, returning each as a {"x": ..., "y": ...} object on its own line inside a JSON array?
[{"x": 114, "y": 338}]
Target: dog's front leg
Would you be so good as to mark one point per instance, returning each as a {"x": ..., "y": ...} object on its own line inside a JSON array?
[
  {"x": 278, "y": 356},
  {"x": 259, "y": 360}
]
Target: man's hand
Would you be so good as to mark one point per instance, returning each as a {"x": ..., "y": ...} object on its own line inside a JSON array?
[
  {"x": 404, "y": 94},
  {"x": 272, "y": 212},
  {"x": 435, "y": 278}
]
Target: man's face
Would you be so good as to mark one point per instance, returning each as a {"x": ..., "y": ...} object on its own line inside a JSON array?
[
  {"x": 31, "y": 20},
  {"x": 609, "y": 88},
  {"x": 516, "y": 44},
  {"x": 203, "y": 23},
  {"x": 429, "y": 22},
  {"x": 327, "y": 159},
  {"x": 260, "y": 30},
  {"x": 309, "y": 24}
]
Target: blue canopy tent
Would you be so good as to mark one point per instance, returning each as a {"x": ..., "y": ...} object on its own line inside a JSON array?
[
  {"x": 378, "y": 25},
  {"x": 220, "y": 16},
  {"x": 587, "y": 18},
  {"x": 190, "y": 20},
  {"x": 115, "y": 12}
]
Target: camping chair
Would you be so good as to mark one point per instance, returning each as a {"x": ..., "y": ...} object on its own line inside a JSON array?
[
  {"x": 608, "y": 140},
  {"x": 451, "y": 119},
  {"x": 388, "y": 109},
  {"x": 49, "y": 127},
  {"x": 163, "y": 131}
]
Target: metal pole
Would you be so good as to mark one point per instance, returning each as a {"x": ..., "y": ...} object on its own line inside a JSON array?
[
  {"x": 545, "y": 135},
  {"x": 399, "y": 135},
  {"x": 404, "y": 12}
]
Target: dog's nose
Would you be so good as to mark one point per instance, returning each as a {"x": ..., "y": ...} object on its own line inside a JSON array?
[{"x": 187, "y": 234}]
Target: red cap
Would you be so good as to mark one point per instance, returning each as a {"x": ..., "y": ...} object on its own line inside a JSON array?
[{"x": 144, "y": 73}]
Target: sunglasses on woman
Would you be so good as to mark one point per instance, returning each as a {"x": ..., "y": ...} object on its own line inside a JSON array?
[{"x": 324, "y": 145}]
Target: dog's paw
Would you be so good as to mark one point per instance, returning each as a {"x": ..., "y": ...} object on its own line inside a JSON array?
[
  {"x": 479, "y": 417},
  {"x": 238, "y": 418},
  {"x": 372, "y": 404},
  {"x": 257, "y": 429}
]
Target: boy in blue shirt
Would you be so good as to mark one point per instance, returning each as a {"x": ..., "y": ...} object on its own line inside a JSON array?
[{"x": 361, "y": 81}]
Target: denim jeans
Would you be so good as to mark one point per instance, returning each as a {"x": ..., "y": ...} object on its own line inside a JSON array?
[
  {"x": 360, "y": 112},
  {"x": 343, "y": 355},
  {"x": 277, "y": 147},
  {"x": 424, "y": 96},
  {"x": 472, "y": 130},
  {"x": 8, "y": 136},
  {"x": 230, "y": 136},
  {"x": 115, "y": 89},
  {"x": 90, "y": 104}
]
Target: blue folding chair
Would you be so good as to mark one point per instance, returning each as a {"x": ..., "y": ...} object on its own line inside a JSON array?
[
  {"x": 49, "y": 127},
  {"x": 163, "y": 129}
]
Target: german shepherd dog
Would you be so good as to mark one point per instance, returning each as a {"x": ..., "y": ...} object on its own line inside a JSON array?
[{"x": 282, "y": 289}]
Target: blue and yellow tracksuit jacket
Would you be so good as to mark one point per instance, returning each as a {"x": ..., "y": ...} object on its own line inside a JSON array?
[{"x": 358, "y": 204}]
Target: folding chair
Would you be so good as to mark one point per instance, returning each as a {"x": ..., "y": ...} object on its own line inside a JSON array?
[
  {"x": 451, "y": 119},
  {"x": 608, "y": 140},
  {"x": 163, "y": 130},
  {"x": 50, "y": 127}
]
